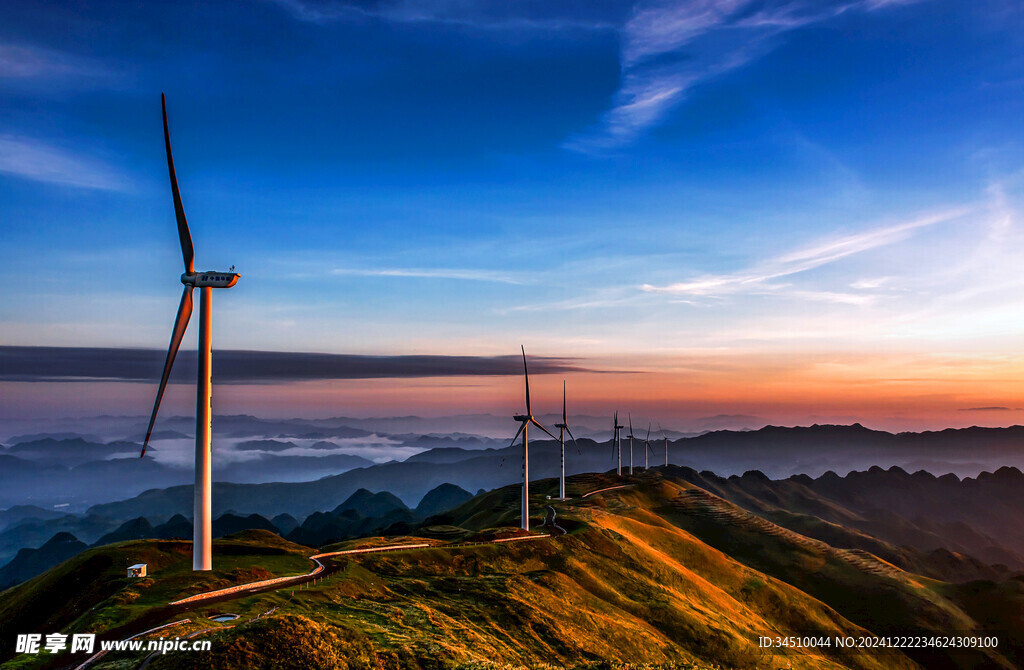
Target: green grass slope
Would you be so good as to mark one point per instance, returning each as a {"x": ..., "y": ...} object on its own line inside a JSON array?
[
  {"x": 660, "y": 574},
  {"x": 90, "y": 592}
]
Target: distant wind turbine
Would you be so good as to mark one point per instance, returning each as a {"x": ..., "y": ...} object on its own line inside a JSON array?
[
  {"x": 617, "y": 443},
  {"x": 630, "y": 444},
  {"x": 563, "y": 428},
  {"x": 207, "y": 281},
  {"x": 647, "y": 447},
  {"x": 665, "y": 436},
  {"x": 524, "y": 421}
]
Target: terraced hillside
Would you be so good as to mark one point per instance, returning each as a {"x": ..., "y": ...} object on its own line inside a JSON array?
[{"x": 653, "y": 570}]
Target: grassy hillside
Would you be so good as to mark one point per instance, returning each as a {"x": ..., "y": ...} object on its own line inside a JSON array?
[
  {"x": 617, "y": 590},
  {"x": 90, "y": 592},
  {"x": 973, "y": 516},
  {"x": 660, "y": 574}
]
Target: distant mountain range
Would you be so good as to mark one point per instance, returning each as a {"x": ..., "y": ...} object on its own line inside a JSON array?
[
  {"x": 361, "y": 514},
  {"x": 476, "y": 426},
  {"x": 15, "y": 515},
  {"x": 979, "y": 517},
  {"x": 972, "y": 516},
  {"x": 76, "y": 473},
  {"x": 31, "y": 562},
  {"x": 69, "y": 452},
  {"x": 781, "y": 452},
  {"x": 778, "y": 452}
]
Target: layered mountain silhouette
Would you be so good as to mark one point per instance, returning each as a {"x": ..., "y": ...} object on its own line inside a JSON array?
[
  {"x": 30, "y": 562},
  {"x": 363, "y": 513},
  {"x": 79, "y": 473}
]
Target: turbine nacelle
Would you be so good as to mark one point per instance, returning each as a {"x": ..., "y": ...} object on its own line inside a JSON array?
[{"x": 210, "y": 278}]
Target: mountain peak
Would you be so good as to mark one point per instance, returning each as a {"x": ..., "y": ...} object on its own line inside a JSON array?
[{"x": 441, "y": 499}]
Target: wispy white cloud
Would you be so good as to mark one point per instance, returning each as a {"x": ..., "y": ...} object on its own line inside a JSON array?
[
  {"x": 980, "y": 277},
  {"x": 23, "y": 62},
  {"x": 871, "y": 283},
  {"x": 670, "y": 47},
  {"x": 758, "y": 278},
  {"x": 597, "y": 299},
  {"x": 466, "y": 13},
  {"x": 431, "y": 273},
  {"x": 31, "y": 159},
  {"x": 859, "y": 299}
]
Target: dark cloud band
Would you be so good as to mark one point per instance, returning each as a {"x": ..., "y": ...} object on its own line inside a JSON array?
[{"x": 252, "y": 367}]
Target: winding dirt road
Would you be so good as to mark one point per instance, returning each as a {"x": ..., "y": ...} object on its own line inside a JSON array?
[{"x": 321, "y": 570}]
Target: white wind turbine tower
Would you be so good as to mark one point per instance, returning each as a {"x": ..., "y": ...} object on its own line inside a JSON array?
[
  {"x": 563, "y": 428},
  {"x": 630, "y": 445},
  {"x": 665, "y": 436},
  {"x": 647, "y": 447},
  {"x": 206, "y": 281},
  {"x": 524, "y": 421}
]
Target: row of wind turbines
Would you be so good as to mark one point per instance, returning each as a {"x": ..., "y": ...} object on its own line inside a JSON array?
[
  {"x": 524, "y": 429},
  {"x": 617, "y": 444}
]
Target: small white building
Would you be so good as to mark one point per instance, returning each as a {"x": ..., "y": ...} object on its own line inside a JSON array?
[{"x": 137, "y": 570}]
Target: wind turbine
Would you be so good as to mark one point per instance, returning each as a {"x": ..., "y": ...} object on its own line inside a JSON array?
[
  {"x": 524, "y": 421},
  {"x": 647, "y": 447},
  {"x": 617, "y": 443},
  {"x": 206, "y": 281},
  {"x": 563, "y": 428},
  {"x": 630, "y": 445},
  {"x": 665, "y": 436}
]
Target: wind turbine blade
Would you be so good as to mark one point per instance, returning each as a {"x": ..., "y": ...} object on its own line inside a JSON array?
[
  {"x": 518, "y": 433},
  {"x": 537, "y": 423},
  {"x": 648, "y": 438},
  {"x": 631, "y": 424},
  {"x": 526, "y": 374},
  {"x": 187, "y": 252},
  {"x": 180, "y": 324},
  {"x": 573, "y": 441}
]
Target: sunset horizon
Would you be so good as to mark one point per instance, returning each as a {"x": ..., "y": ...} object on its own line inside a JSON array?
[{"x": 665, "y": 208}]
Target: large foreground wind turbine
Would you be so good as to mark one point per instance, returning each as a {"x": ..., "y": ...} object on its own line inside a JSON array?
[
  {"x": 563, "y": 428},
  {"x": 524, "y": 421},
  {"x": 206, "y": 281}
]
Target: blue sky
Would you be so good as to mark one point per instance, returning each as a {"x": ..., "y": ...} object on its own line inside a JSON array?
[{"x": 670, "y": 187}]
